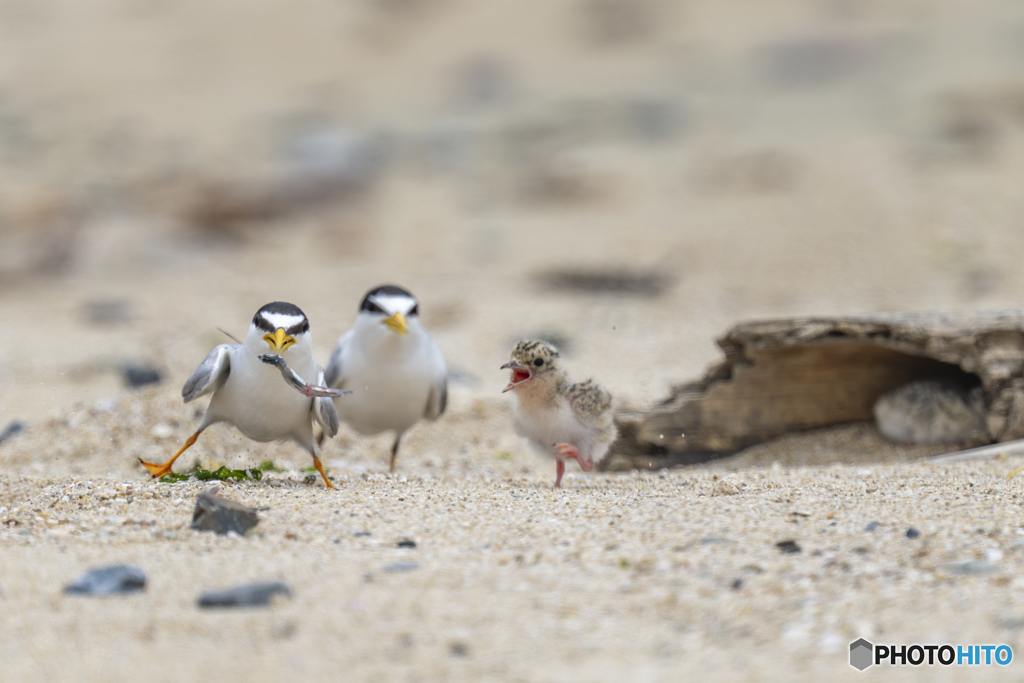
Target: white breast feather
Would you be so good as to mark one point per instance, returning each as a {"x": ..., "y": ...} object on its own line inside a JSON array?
[
  {"x": 392, "y": 381},
  {"x": 546, "y": 426},
  {"x": 259, "y": 404}
]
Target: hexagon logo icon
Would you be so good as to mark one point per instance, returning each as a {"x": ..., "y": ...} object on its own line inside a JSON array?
[{"x": 861, "y": 652}]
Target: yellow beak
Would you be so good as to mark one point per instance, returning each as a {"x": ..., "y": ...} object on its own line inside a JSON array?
[
  {"x": 279, "y": 341},
  {"x": 396, "y": 323}
]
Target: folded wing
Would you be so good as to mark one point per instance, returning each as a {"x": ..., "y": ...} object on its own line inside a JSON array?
[
  {"x": 334, "y": 374},
  {"x": 324, "y": 411},
  {"x": 438, "y": 399},
  {"x": 210, "y": 374}
]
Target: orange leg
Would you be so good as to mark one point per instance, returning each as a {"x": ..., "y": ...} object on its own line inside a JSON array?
[
  {"x": 161, "y": 470},
  {"x": 320, "y": 467}
]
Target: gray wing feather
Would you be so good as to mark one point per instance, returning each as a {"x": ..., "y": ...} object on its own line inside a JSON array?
[
  {"x": 210, "y": 374},
  {"x": 438, "y": 400},
  {"x": 324, "y": 411},
  {"x": 334, "y": 376}
]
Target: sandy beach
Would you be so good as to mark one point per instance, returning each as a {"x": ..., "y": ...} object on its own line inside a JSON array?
[{"x": 168, "y": 168}]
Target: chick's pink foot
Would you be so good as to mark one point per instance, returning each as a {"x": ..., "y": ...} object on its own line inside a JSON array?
[{"x": 565, "y": 450}]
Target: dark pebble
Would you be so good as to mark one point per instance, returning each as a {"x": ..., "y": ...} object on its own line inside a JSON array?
[
  {"x": 737, "y": 584},
  {"x": 221, "y": 515},
  {"x": 108, "y": 311},
  {"x": 401, "y": 567},
  {"x": 788, "y": 547},
  {"x": 872, "y": 526},
  {"x": 11, "y": 429},
  {"x": 605, "y": 281},
  {"x": 140, "y": 375},
  {"x": 247, "y": 595},
  {"x": 360, "y": 534},
  {"x": 113, "y": 580},
  {"x": 913, "y": 533},
  {"x": 812, "y": 62},
  {"x": 458, "y": 649},
  {"x": 652, "y": 120},
  {"x": 407, "y": 543}
]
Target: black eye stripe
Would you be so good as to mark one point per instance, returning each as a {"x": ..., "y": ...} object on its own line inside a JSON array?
[{"x": 298, "y": 329}]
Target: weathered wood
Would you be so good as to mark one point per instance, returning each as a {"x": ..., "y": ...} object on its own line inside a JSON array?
[{"x": 780, "y": 376}]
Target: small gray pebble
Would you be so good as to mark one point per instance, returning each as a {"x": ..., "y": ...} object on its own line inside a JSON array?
[
  {"x": 360, "y": 534},
  {"x": 458, "y": 649},
  {"x": 108, "y": 311},
  {"x": 789, "y": 547},
  {"x": 407, "y": 543},
  {"x": 970, "y": 567},
  {"x": 913, "y": 533},
  {"x": 140, "y": 375},
  {"x": 872, "y": 526},
  {"x": 222, "y": 515},
  {"x": 11, "y": 429},
  {"x": 246, "y": 595},
  {"x": 113, "y": 580},
  {"x": 401, "y": 567}
]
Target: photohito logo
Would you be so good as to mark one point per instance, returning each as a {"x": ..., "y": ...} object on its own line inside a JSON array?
[{"x": 863, "y": 654}]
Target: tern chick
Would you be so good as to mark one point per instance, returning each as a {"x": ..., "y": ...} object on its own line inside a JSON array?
[
  {"x": 250, "y": 395},
  {"x": 932, "y": 412},
  {"x": 560, "y": 418},
  {"x": 393, "y": 364}
]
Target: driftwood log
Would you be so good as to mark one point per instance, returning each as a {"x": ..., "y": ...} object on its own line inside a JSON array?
[{"x": 780, "y": 376}]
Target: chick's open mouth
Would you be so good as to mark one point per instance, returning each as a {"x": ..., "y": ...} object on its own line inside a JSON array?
[{"x": 519, "y": 375}]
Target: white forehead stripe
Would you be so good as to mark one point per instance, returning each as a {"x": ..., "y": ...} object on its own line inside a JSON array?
[
  {"x": 393, "y": 303},
  {"x": 282, "y": 319}
]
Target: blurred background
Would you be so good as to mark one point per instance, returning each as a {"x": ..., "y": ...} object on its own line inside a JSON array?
[{"x": 626, "y": 177}]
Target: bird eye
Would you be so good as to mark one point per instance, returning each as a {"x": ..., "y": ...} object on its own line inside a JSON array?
[
  {"x": 373, "y": 308},
  {"x": 415, "y": 310},
  {"x": 539, "y": 362}
]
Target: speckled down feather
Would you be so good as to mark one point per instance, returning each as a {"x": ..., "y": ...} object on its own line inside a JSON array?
[{"x": 930, "y": 412}]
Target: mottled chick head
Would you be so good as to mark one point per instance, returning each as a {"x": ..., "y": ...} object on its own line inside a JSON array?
[
  {"x": 531, "y": 360},
  {"x": 280, "y": 325},
  {"x": 391, "y": 306}
]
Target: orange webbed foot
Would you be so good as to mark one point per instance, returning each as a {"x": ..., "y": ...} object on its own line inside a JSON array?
[
  {"x": 155, "y": 469},
  {"x": 161, "y": 470}
]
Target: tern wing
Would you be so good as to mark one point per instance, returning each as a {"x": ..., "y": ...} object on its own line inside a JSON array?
[
  {"x": 210, "y": 374},
  {"x": 324, "y": 411},
  {"x": 438, "y": 399},
  {"x": 334, "y": 375}
]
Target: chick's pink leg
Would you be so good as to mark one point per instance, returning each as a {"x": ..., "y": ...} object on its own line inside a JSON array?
[
  {"x": 565, "y": 450},
  {"x": 559, "y": 471}
]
